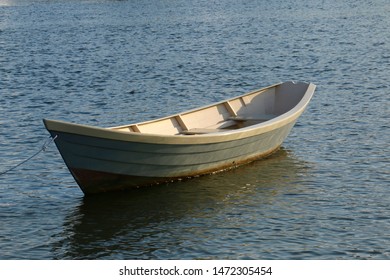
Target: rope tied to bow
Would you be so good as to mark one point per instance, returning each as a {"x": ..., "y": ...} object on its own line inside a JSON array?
[{"x": 43, "y": 148}]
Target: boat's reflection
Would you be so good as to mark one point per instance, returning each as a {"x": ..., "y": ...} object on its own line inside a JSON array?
[{"x": 108, "y": 225}]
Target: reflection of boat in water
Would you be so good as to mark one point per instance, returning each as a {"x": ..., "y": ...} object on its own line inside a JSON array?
[
  {"x": 146, "y": 223},
  {"x": 201, "y": 141}
]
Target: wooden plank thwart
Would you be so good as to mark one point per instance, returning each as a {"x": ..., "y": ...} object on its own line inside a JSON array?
[
  {"x": 194, "y": 131},
  {"x": 264, "y": 117}
]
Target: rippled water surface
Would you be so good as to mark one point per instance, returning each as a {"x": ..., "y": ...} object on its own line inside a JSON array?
[{"x": 324, "y": 195}]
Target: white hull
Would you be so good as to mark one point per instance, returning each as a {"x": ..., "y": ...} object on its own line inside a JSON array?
[{"x": 200, "y": 141}]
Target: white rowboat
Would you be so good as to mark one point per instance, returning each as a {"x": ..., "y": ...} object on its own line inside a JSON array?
[{"x": 201, "y": 141}]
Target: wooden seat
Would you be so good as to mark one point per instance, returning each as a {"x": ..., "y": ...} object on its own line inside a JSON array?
[
  {"x": 194, "y": 131},
  {"x": 261, "y": 118}
]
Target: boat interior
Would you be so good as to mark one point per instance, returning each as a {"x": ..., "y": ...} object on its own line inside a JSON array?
[{"x": 243, "y": 111}]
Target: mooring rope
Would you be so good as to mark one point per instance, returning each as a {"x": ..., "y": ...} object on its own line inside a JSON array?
[{"x": 44, "y": 147}]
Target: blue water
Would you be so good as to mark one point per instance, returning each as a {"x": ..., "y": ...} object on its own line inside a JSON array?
[{"x": 324, "y": 195}]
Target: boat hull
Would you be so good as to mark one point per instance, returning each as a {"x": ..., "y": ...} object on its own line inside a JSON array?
[
  {"x": 110, "y": 159},
  {"x": 100, "y": 165}
]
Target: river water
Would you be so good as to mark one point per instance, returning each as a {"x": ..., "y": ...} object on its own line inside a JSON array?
[{"x": 324, "y": 195}]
